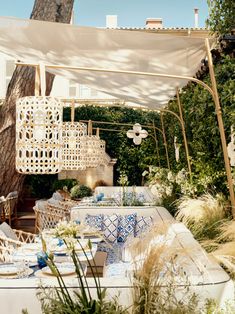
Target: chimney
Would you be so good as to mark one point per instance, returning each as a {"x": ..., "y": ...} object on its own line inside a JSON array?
[
  {"x": 196, "y": 18},
  {"x": 111, "y": 21},
  {"x": 152, "y": 23}
]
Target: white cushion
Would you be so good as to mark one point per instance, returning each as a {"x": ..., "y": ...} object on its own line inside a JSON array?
[
  {"x": 8, "y": 231},
  {"x": 110, "y": 224}
]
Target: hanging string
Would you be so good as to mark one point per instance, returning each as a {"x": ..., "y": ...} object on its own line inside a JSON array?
[{"x": 72, "y": 110}]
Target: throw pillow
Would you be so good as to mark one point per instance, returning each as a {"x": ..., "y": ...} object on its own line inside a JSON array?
[
  {"x": 2, "y": 234},
  {"x": 8, "y": 231},
  {"x": 142, "y": 224},
  {"x": 126, "y": 226},
  {"x": 110, "y": 225},
  {"x": 95, "y": 221}
]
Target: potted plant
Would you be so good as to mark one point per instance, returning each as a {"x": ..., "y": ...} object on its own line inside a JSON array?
[{"x": 80, "y": 191}]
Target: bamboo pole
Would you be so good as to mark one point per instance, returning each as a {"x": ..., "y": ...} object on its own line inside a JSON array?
[
  {"x": 221, "y": 126},
  {"x": 42, "y": 70},
  {"x": 156, "y": 142},
  {"x": 72, "y": 111},
  {"x": 124, "y": 124},
  {"x": 37, "y": 81},
  {"x": 184, "y": 133},
  {"x": 181, "y": 77},
  {"x": 165, "y": 141}
]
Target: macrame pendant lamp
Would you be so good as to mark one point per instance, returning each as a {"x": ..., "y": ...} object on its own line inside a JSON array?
[
  {"x": 74, "y": 144},
  {"x": 93, "y": 148},
  {"x": 38, "y": 131}
]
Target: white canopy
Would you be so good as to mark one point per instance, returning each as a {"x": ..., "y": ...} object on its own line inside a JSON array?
[{"x": 34, "y": 41}]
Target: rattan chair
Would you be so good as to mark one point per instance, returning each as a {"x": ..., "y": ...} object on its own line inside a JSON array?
[
  {"x": 49, "y": 217},
  {"x": 8, "y": 245},
  {"x": 2, "y": 208},
  {"x": 11, "y": 206}
]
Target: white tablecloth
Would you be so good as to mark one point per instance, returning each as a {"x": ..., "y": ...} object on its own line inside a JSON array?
[{"x": 16, "y": 294}]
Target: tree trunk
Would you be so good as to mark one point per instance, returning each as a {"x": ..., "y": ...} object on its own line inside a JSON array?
[{"x": 22, "y": 84}]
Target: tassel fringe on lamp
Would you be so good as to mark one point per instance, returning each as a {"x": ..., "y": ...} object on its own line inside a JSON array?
[{"x": 38, "y": 135}]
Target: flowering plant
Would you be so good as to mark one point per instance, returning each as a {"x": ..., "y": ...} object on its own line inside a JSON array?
[
  {"x": 161, "y": 182},
  {"x": 69, "y": 229}
]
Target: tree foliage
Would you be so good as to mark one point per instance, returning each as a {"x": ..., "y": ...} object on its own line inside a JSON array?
[
  {"x": 221, "y": 16},
  {"x": 131, "y": 159},
  {"x": 201, "y": 124}
]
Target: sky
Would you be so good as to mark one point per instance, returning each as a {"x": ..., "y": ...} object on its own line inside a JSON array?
[{"x": 130, "y": 13}]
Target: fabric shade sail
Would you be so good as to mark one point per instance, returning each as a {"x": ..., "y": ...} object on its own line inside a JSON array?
[{"x": 32, "y": 41}]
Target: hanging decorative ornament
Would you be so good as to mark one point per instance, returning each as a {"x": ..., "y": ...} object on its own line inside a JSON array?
[
  {"x": 177, "y": 149},
  {"x": 137, "y": 134},
  {"x": 94, "y": 148},
  {"x": 38, "y": 135},
  {"x": 231, "y": 148},
  {"x": 38, "y": 131},
  {"x": 74, "y": 144}
]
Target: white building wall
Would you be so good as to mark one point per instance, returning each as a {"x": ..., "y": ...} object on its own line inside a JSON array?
[{"x": 4, "y": 79}]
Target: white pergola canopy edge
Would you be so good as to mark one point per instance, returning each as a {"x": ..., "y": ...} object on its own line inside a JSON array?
[{"x": 32, "y": 41}]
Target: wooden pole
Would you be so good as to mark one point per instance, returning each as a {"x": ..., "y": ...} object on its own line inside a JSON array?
[
  {"x": 37, "y": 81},
  {"x": 221, "y": 126},
  {"x": 72, "y": 111},
  {"x": 165, "y": 141},
  {"x": 184, "y": 133},
  {"x": 42, "y": 78},
  {"x": 156, "y": 142}
]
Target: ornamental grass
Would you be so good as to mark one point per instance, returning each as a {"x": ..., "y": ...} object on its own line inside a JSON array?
[{"x": 203, "y": 215}]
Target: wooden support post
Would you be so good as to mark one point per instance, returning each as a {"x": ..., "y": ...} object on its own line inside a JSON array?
[
  {"x": 37, "y": 81},
  {"x": 184, "y": 133},
  {"x": 165, "y": 141},
  {"x": 221, "y": 126},
  {"x": 156, "y": 142}
]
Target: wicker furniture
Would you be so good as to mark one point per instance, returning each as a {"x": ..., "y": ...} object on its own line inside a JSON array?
[
  {"x": 8, "y": 245},
  {"x": 48, "y": 218},
  {"x": 8, "y": 207},
  {"x": 11, "y": 206}
]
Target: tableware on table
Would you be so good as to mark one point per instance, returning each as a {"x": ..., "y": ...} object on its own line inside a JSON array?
[
  {"x": 8, "y": 269},
  {"x": 64, "y": 269},
  {"x": 94, "y": 239},
  {"x": 40, "y": 274},
  {"x": 29, "y": 257},
  {"x": 14, "y": 271},
  {"x": 41, "y": 259},
  {"x": 23, "y": 270},
  {"x": 31, "y": 247}
]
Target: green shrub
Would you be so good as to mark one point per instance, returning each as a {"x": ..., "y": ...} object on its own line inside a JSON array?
[
  {"x": 79, "y": 191},
  {"x": 68, "y": 183}
]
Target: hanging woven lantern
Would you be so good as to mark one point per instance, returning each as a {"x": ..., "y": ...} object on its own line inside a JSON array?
[
  {"x": 74, "y": 144},
  {"x": 102, "y": 152},
  {"x": 38, "y": 135},
  {"x": 94, "y": 148}
]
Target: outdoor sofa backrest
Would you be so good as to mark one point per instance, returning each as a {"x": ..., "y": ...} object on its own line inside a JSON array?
[{"x": 157, "y": 213}]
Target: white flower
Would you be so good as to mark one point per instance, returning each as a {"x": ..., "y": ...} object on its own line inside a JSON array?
[
  {"x": 170, "y": 176},
  {"x": 137, "y": 134}
]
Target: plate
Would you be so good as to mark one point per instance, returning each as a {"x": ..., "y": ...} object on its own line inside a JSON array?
[
  {"x": 64, "y": 269},
  {"x": 8, "y": 269},
  {"x": 95, "y": 239},
  {"x": 15, "y": 275},
  {"x": 40, "y": 274}
]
